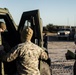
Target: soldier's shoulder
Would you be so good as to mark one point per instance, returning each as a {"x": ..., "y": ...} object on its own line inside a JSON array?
[
  {"x": 21, "y": 44},
  {"x": 36, "y": 46}
]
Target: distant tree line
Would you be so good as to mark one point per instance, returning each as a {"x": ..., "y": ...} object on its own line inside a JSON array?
[{"x": 55, "y": 28}]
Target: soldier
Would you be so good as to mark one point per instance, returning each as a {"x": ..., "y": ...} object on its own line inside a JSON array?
[
  {"x": 45, "y": 40},
  {"x": 5, "y": 67},
  {"x": 26, "y": 53},
  {"x": 2, "y": 29},
  {"x": 71, "y": 55}
]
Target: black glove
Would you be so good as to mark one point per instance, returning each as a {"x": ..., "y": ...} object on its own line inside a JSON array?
[
  {"x": 1, "y": 47},
  {"x": 70, "y": 55},
  {"x": 1, "y": 51}
]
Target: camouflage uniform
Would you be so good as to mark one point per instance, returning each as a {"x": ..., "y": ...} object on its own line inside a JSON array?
[{"x": 27, "y": 55}]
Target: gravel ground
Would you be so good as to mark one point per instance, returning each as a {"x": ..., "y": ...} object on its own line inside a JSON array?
[{"x": 57, "y": 49}]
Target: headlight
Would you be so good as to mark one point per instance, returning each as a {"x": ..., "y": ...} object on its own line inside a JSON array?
[
  {"x": 67, "y": 32},
  {"x": 58, "y": 33}
]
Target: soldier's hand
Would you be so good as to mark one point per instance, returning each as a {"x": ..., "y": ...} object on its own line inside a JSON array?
[
  {"x": 69, "y": 55},
  {"x": 44, "y": 56},
  {"x": 1, "y": 50},
  {"x": 1, "y": 47}
]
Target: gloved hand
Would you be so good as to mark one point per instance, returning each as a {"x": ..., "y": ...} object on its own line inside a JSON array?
[
  {"x": 44, "y": 55},
  {"x": 70, "y": 55},
  {"x": 1, "y": 51},
  {"x": 1, "y": 47}
]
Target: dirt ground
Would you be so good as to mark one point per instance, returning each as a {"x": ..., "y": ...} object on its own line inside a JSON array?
[{"x": 57, "y": 49}]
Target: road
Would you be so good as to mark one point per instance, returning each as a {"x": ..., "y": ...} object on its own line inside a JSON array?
[{"x": 57, "y": 49}]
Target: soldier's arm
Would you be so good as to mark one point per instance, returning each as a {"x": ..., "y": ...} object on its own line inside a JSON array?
[
  {"x": 44, "y": 54},
  {"x": 10, "y": 56}
]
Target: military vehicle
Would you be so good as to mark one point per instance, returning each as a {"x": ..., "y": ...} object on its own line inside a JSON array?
[
  {"x": 11, "y": 37},
  {"x": 63, "y": 33}
]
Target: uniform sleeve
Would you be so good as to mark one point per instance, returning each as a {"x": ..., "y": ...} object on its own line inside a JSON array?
[
  {"x": 43, "y": 54},
  {"x": 10, "y": 56}
]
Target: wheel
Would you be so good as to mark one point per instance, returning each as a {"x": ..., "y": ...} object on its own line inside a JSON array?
[{"x": 44, "y": 69}]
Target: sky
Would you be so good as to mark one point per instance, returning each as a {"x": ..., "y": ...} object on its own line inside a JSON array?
[{"x": 56, "y": 12}]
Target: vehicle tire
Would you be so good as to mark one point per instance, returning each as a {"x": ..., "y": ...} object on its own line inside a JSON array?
[{"x": 45, "y": 69}]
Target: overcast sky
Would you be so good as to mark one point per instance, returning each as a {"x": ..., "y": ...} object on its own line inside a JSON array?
[{"x": 57, "y": 12}]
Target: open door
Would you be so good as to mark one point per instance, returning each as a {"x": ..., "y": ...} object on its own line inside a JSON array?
[{"x": 32, "y": 19}]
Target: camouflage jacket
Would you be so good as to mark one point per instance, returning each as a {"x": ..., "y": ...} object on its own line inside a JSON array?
[{"x": 27, "y": 55}]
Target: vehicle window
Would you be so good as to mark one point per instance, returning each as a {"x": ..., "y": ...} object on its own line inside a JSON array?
[
  {"x": 64, "y": 29},
  {"x": 27, "y": 23},
  {"x": 2, "y": 20}
]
